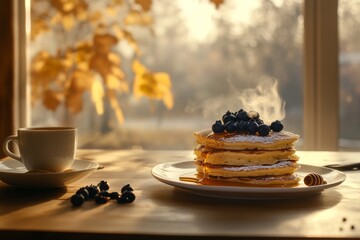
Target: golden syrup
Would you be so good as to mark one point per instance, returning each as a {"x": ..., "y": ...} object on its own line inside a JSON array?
[{"x": 189, "y": 179}]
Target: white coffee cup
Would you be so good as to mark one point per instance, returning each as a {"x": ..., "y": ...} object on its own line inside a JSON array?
[{"x": 47, "y": 148}]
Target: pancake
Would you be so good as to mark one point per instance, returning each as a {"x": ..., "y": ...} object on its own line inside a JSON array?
[
  {"x": 243, "y": 157},
  {"x": 282, "y": 180},
  {"x": 226, "y": 171},
  {"x": 227, "y": 141}
]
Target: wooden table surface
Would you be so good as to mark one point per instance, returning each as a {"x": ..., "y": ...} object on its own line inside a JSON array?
[{"x": 163, "y": 212}]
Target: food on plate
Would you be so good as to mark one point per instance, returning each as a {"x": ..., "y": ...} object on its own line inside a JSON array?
[{"x": 241, "y": 148}]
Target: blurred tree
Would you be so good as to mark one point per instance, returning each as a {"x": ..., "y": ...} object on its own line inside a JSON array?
[{"x": 86, "y": 58}]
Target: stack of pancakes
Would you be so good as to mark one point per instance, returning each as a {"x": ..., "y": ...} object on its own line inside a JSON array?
[{"x": 247, "y": 158}]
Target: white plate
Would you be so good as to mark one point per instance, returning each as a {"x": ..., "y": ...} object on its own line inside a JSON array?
[
  {"x": 14, "y": 173},
  {"x": 170, "y": 173}
]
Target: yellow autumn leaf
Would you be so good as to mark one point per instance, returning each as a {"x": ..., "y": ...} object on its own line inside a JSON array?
[
  {"x": 163, "y": 79},
  {"x": 117, "y": 2},
  {"x": 138, "y": 68},
  {"x": 67, "y": 7},
  {"x": 145, "y": 4},
  {"x": 80, "y": 80},
  {"x": 83, "y": 52},
  {"x": 152, "y": 85},
  {"x": 97, "y": 95},
  {"x": 118, "y": 72},
  {"x": 83, "y": 66},
  {"x": 217, "y": 3},
  {"x": 145, "y": 90},
  {"x": 138, "y": 18},
  {"x": 45, "y": 68},
  {"x": 74, "y": 101},
  {"x": 38, "y": 26},
  {"x": 82, "y": 14},
  {"x": 100, "y": 64},
  {"x": 52, "y": 99},
  {"x": 115, "y": 83},
  {"x": 111, "y": 11},
  {"x": 127, "y": 36},
  {"x": 67, "y": 21},
  {"x": 115, "y": 105},
  {"x": 114, "y": 58},
  {"x": 168, "y": 100},
  {"x": 103, "y": 43},
  {"x": 155, "y": 85},
  {"x": 68, "y": 60},
  {"x": 112, "y": 82},
  {"x": 94, "y": 17}
]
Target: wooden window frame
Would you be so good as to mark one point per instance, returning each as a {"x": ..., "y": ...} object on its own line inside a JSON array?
[
  {"x": 21, "y": 13},
  {"x": 321, "y": 78},
  {"x": 7, "y": 94}
]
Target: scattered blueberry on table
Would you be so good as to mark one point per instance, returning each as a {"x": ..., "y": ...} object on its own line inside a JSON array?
[
  {"x": 101, "y": 195},
  {"x": 77, "y": 200},
  {"x": 103, "y": 185}
]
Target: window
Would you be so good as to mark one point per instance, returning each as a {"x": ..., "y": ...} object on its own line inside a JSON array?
[{"x": 216, "y": 58}]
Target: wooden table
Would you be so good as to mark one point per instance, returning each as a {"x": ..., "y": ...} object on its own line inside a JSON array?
[{"x": 163, "y": 212}]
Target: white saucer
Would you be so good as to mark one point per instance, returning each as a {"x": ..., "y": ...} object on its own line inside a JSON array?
[
  {"x": 14, "y": 173},
  {"x": 169, "y": 173}
]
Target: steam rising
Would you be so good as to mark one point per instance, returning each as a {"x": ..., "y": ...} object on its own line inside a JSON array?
[{"x": 264, "y": 98}]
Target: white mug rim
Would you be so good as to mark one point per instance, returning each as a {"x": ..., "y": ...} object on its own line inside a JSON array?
[{"x": 46, "y": 129}]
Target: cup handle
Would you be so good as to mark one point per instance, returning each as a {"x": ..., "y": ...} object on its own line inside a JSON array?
[{"x": 12, "y": 138}]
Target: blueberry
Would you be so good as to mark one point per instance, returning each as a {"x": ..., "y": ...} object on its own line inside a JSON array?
[
  {"x": 238, "y": 112},
  {"x": 127, "y": 187},
  {"x": 230, "y": 127},
  {"x": 77, "y": 200},
  {"x": 241, "y": 126},
  {"x": 126, "y": 197},
  {"x": 242, "y": 115},
  {"x": 92, "y": 190},
  {"x": 104, "y": 194},
  {"x": 252, "y": 127},
  {"x": 82, "y": 191},
  {"x": 114, "y": 195},
  {"x": 259, "y": 121},
  {"x": 276, "y": 126},
  {"x": 253, "y": 115},
  {"x": 227, "y": 113},
  {"x": 263, "y": 130},
  {"x": 100, "y": 200},
  {"x": 103, "y": 185},
  {"x": 228, "y": 116},
  {"x": 218, "y": 127}
]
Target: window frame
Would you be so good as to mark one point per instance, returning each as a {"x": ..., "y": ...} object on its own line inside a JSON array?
[{"x": 321, "y": 75}]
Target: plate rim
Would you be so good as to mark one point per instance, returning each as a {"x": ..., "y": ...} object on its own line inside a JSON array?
[{"x": 192, "y": 187}]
